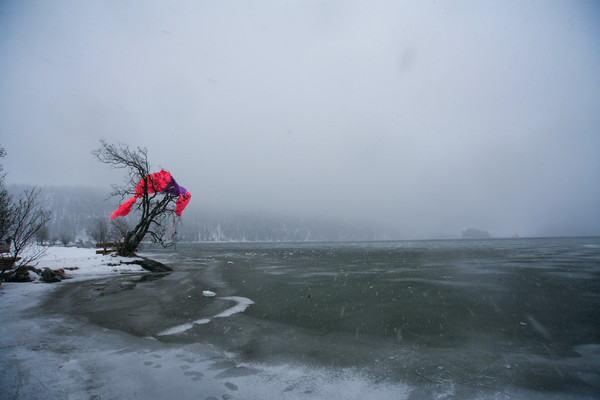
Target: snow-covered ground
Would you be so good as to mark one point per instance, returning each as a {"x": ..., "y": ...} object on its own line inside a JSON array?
[{"x": 81, "y": 263}]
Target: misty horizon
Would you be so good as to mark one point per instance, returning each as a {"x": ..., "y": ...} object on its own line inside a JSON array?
[
  {"x": 76, "y": 208},
  {"x": 430, "y": 118}
]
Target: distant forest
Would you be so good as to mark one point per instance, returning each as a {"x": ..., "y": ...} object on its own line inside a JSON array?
[{"x": 75, "y": 209}]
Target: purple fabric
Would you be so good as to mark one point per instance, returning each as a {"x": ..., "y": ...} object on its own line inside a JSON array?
[{"x": 174, "y": 189}]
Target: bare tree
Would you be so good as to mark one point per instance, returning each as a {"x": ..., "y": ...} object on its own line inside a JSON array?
[
  {"x": 65, "y": 238},
  {"x": 42, "y": 235},
  {"x": 5, "y": 204},
  {"x": 156, "y": 210},
  {"x": 20, "y": 222},
  {"x": 27, "y": 220},
  {"x": 99, "y": 230},
  {"x": 119, "y": 229}
]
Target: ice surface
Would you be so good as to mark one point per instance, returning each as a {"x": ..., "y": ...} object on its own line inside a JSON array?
[
  {"x": 360, "y": 335},
  {"x": 51, "y": 357}
]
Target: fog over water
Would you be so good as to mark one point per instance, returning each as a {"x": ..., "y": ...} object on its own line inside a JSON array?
[{"x": 431, "y": 117}]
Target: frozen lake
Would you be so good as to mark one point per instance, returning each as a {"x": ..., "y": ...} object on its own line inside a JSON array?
[{"x": 465, "y": 319}]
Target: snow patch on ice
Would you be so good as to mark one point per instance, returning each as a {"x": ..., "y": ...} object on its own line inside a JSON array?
[
  {"x": 183, "y": 327},
  {"x": 242, "y": 304}
]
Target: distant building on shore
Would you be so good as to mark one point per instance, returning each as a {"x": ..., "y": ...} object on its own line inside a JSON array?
[{"x": 473, "y": 233}]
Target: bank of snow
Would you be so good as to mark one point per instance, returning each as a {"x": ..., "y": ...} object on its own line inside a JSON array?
[{"x": 80, "y": 263}]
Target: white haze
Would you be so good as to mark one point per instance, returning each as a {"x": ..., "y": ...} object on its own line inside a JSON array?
[{"x": 431, "y": 117}]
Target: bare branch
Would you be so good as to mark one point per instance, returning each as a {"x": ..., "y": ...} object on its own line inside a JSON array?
[
  {"x": 27, "y": 221},
  {"x": 99, "y": 230}
]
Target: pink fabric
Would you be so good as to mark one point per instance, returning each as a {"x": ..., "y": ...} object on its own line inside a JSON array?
[
  {"x": 157, "y": 182},
  {"x": 161, "y": 181},
  {"x": 182, "y": 202},
  {"x": 124, "y": 208}
]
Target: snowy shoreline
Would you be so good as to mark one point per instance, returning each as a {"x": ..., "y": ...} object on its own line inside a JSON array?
[
  {"x": 79, "y": 264},
  {"x": 82, "y": 264}
]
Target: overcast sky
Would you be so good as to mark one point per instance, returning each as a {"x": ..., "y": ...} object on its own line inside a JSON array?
[{"x": 432, "y": 116}]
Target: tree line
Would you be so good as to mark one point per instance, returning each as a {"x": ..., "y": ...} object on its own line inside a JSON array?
[{"x": 79, "y": 215}]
